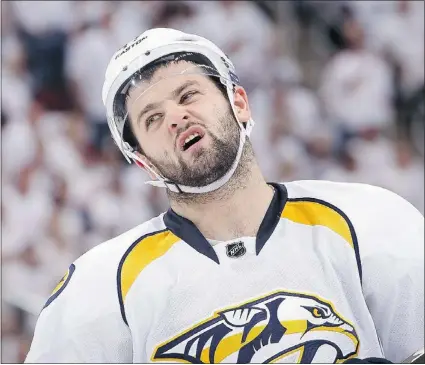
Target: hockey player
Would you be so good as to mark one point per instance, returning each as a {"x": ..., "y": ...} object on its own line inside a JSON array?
[{"x": 238, "y": 270}]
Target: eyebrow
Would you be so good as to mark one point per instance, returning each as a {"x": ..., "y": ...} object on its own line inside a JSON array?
[{"x": 174, "y": 95}]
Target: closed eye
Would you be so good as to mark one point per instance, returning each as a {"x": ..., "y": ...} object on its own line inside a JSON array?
[{"x": 187, "y": 96}]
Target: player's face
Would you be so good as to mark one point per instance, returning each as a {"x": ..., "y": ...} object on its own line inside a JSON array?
[{"x": 185, "y": 125}]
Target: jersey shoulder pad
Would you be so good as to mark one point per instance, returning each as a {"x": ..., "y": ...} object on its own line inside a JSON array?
[
  {"x": 348, "y": 195},
  {"x": 380, "y": 218},
  {"x": 92, "y": 277}
]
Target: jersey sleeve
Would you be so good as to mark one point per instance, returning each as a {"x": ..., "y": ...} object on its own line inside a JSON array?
[
  {"x": 81, "y": 321},
  {"x": 391, "y": 245},
  {"x": 390, "y": 240}
]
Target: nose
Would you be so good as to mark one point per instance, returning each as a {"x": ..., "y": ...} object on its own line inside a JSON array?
[{"x": 176, "y": 116}]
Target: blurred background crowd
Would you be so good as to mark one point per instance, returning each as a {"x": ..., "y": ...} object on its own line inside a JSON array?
[{"x": 336, "y": 89}]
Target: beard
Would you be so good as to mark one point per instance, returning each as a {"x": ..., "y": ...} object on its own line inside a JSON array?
[{"x": 209, "y": 163}]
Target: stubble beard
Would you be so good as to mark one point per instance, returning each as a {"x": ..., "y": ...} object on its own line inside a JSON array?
[{"x": 208, "y": 164}]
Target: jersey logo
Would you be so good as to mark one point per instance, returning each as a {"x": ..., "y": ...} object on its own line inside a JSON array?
[
  {"x": 235, "y": 250},
  {"x": 60, "y": 287},
  {"x": 283, "y": 326}
]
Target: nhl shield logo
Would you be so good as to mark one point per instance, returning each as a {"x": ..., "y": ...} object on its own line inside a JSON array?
[{"x": 235, "y": 250}]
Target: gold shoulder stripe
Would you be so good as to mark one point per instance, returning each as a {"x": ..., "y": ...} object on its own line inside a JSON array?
[
  {"x": 146, "y": 250},
  {"x": 61, "y": 285},
  {"x": 316, "y": 213}
]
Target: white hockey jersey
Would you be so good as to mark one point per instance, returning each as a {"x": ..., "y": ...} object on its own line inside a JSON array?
[{"x": 335, "y": 272}]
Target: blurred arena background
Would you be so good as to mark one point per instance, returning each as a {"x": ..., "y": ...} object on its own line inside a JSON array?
[{"x": 336, "y": 89}]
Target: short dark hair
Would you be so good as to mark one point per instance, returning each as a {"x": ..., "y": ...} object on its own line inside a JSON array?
[{"x": 148, "y": 72}]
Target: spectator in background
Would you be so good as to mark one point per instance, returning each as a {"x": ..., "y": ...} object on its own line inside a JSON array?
[
  {"x": 248, "y": 45},
  {"x": 15, "y": 338},
  {"x": 66, "y": 225},
  {"x": 336, "y": 27},
  {"x": 91, "y": 44},
  {"x": 399, "y": 37},
  {"x": 376, "y": 160},
  {"x": 360, "y": 158},
  {"x": 26, "y": 211},
  {"x": 269, "y": 104},
  {"x": 16, "y": 93},
  {"x": 174, "y": 13},
  {"x": 373, "y": 151},
  {"x": 407, "y": 175},
  {"x": 129, "y": 17},
  {"x": 43, "y": 28},
  {"x": 299, "y": 129},
  {"x": 345, "y": 169},
  {"x": 356, "y": 86},
  {"x": 20, "y": 140}
]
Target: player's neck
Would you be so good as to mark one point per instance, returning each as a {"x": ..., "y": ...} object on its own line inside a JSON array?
[{"x": 236, "y": 209}]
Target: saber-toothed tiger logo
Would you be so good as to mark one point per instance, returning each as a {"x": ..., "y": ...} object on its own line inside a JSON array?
[{"x": 280, "y": 327}]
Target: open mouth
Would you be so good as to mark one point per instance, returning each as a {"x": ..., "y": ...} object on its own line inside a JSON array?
[{"x": 189, "y": 138}]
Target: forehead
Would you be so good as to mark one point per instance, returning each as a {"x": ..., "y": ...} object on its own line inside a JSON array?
[
  {"x": 179, "y": 68},
  {"x": 168, "y": 77}
]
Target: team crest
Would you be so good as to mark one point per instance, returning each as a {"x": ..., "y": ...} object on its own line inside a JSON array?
[
  {"x": 236, "y": 249},
  {"x": 280, "y": 327}
]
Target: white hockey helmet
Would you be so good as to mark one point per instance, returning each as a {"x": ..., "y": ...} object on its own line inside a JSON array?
[{"x": 145, "y": 49}]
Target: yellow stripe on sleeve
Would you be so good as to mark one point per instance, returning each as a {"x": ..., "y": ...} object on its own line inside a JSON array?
[
  {"x": 315, "y": 213},
  {"x": 60, "y": 284},
  {"x": 143, "y": 253}
]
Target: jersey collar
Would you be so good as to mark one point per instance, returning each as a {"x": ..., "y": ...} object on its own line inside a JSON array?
[{"x": 188, "y": 232}]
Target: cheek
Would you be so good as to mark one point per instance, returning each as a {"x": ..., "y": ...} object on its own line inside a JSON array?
[
  {"x": 157, "y": 146},
  {"x": 208, "y": 114}
]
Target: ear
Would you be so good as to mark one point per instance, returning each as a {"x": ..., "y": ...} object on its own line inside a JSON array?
[
  {"x": 144, "y": 163},
  {"x": 241, "y": 104}
]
